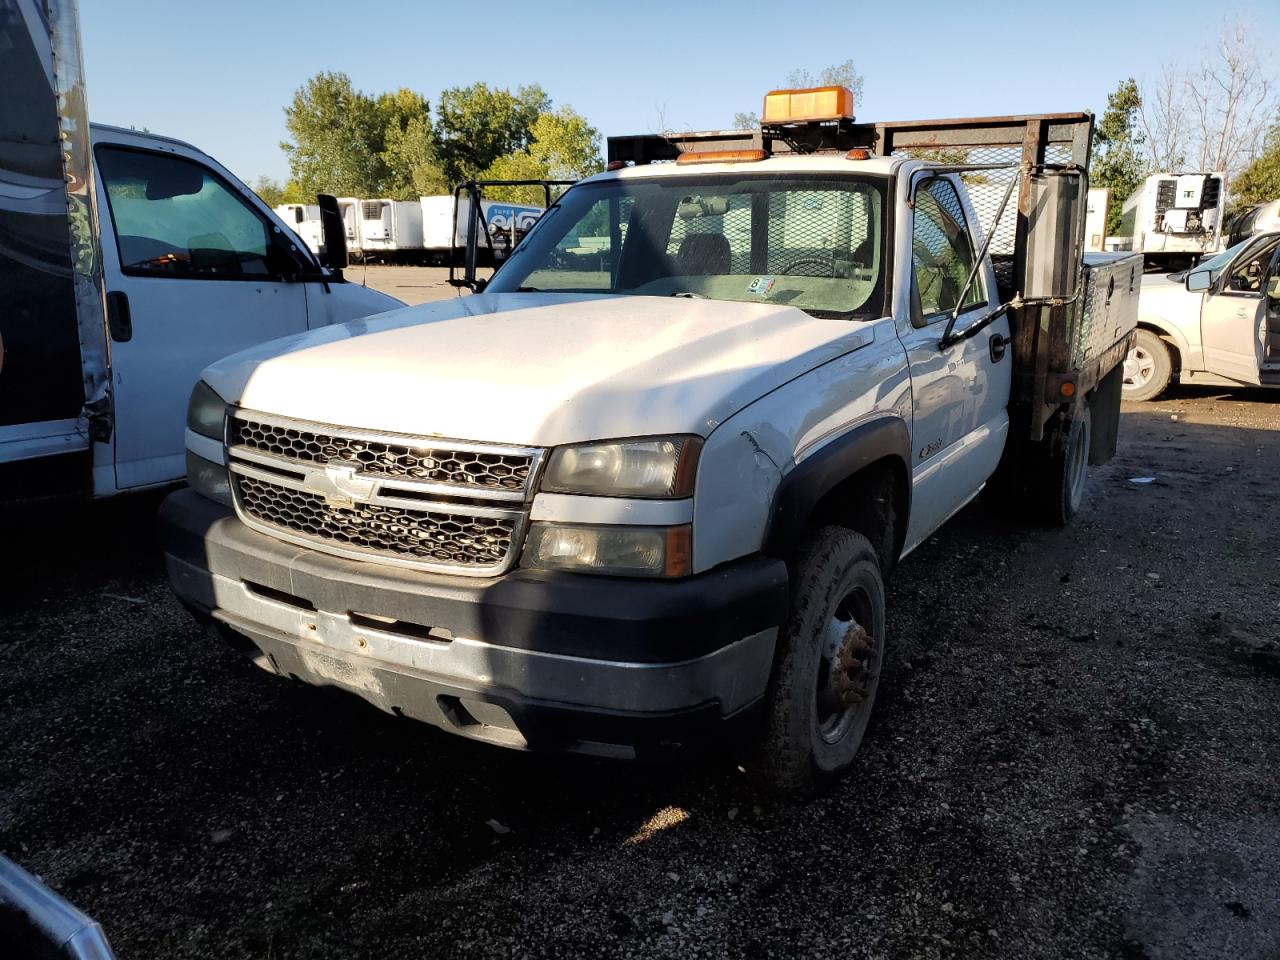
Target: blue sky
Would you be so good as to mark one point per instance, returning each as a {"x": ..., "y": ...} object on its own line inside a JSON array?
[{"x": 220, "y": 74}]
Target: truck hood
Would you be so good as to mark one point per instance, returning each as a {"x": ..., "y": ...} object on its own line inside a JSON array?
[
  {"x": 537, "y": 369},
  {"x": 1163, "y": 296}
]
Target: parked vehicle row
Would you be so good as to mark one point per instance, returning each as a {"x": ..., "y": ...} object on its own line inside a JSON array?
[{"x": 425, "y": 230}]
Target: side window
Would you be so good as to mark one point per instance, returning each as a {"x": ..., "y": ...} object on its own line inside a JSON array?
[
  {"x": 1249, "y": 275},
  {"x": 173, "y": 217},
  {"x": 941, "y": 252},
  {"x": 584, "y": 258}
]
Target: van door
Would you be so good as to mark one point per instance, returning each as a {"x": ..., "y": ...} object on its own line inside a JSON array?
[
  {"x": 1233, "y": 317},
  {"x": 193, "y": 272},
  {"x": 960, "y": 394}
]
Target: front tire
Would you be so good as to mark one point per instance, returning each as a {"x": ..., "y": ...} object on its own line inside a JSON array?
[
  {"x": 1148, "y": 368},
  {"x": 828, "y": 665}
]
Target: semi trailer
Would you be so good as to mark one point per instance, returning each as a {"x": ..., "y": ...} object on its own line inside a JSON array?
[{"x": 1174, "y": 219}]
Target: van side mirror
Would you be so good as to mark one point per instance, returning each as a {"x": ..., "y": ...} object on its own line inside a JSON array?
[
  {"x": 333, "y": 234},
  {"x": 1198, "y": 280},
  {"x": 1055, "y": 223}
]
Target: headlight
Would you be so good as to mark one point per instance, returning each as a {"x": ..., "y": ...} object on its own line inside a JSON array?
[
  {"x": 208, "y": 478},
  {"x": 206, "y": 412},
  {"x": 620, "y": 551},
  {"x": 662, "y": 467}
]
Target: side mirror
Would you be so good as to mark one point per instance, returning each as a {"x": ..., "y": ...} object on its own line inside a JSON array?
[
  {"x": 1055, "y": 224},
  {"x": 333, "y": 234},
  {"x": 1198, "y": 280}
]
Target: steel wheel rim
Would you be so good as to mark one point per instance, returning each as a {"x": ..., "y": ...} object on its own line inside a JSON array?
[
  {"x": 841, "y": 704},
  {"x": 1139, "y": 368}
]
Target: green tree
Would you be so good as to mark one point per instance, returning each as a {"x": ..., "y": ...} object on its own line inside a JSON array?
[
  {"x": 476, "y": 125},
  {"x": 337, "y": 139},
  {"x": 271, "y": 192},
  {"x": 409, "y": 146},
  {"x": 563, "y": 146},
  {"x": 838, "y": 74},
  {"x": 1260, "y": 180},
  {"x": 1118, "y": 162}
]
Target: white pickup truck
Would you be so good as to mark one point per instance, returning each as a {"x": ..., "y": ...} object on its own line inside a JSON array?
[
  {"x": 650, "y": 486},
  {"x": 1217, "y": 324}
]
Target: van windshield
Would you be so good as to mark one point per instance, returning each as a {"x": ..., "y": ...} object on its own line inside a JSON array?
[{"x": 816, "y": 243}]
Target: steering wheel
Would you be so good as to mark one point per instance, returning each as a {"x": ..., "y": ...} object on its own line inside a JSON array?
[{"x": 789, "y": 269}]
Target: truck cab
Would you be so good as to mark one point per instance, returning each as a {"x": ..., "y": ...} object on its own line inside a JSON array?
[
  {"x": 1216, "y": 324},
  {"x": 648, "y": 482},
  {"x": 166, "y": 263}
]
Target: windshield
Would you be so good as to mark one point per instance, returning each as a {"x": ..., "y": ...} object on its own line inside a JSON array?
[{"x": 812, "y": 242}]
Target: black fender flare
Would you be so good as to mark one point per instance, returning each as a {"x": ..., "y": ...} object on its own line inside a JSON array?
[{"x": 834, "y": 463}]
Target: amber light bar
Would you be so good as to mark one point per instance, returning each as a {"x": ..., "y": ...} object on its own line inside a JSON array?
[
  {"x": 815, "y": 103},
  {"x": 720, "y": 156}
]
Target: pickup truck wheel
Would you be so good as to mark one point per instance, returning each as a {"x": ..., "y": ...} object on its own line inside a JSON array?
[
  {"x": 1147, "y": 368},
  {"x": 1067, "y": 469},
  {"x": 828, "y": 664}
]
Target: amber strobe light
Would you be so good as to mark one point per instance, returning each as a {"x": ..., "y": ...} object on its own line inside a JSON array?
[
  {"x": 720, "y": 156},
  {"x": 798, "y": 106}
]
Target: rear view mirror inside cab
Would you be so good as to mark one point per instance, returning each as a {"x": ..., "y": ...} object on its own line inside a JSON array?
[
  {"x": 691, "y": 208},
  {"x": 1198, "y": 280}
]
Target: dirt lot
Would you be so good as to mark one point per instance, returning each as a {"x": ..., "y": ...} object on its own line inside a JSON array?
[{"x": 1075, "y": 755}]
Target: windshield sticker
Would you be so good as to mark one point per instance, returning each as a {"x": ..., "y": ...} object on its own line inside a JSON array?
[{"x": 760, "y": 286}]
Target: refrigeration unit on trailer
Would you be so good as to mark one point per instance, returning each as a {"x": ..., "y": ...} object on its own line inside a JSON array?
[
  {"x": 1176, "y": 218},
  {"x": 390, "y": 229},
  {"x": 304, "y": 220}
]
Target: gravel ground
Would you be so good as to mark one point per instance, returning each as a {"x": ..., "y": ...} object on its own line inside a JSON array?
[{"x": 1075, "y": 755}]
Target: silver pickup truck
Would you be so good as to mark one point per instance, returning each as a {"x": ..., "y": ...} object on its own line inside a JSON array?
[{"x": 1216, "y": 324}]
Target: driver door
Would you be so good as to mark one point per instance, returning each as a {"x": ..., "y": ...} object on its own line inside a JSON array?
[
  {"x": 960, "y": 393},
  {"x": 193, "y": 273},
  {"x": 1233, "y": 320}
]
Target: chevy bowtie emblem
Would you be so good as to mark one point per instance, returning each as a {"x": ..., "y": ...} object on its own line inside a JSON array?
[{"x": 338, "y": 482}]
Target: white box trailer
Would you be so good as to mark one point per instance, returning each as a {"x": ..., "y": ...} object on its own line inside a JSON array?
[
  {"x": 1176, "y": 217},
  {"x": 304, "y": 218},
  {"x": 349, "y": 207},
  {"x": 1095, "y": 219},
  {"x": 506, "y": 224},
  {"x": 390, "y": 229}
]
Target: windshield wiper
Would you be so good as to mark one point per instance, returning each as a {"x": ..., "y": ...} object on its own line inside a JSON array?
[
  {"x": 528, "y": 290},
  {"x": 690, "y": 295}
]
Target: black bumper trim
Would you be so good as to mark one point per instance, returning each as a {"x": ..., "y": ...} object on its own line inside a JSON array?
[{"x": 637, "y": 621}]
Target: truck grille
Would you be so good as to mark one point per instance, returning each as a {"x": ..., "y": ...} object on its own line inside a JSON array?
[
  {"x": 438, "y": 538},
  {"x": 385, "y": 457},
  {"x": 446, "y": 506}
]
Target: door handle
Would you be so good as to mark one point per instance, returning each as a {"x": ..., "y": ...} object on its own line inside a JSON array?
[
  {"x": 999, "y": 343},
  {"x": 119, "y": 320}
]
